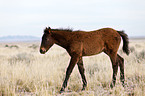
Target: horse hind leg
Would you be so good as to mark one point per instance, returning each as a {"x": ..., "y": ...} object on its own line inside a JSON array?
[
  {"x": 121, "y": 65},
  {"x": 82, "y": 71},
  {"x": 113, "y": 58}
]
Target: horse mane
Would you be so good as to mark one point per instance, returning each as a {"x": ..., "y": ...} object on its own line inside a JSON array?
[{"x": 62, "y": 29}]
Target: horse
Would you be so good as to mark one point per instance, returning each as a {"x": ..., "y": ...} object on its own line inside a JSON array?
[{"x": 86, "y": 43}]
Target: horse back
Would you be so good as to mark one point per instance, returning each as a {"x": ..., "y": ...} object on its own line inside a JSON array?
[{"x": 94, "y": 42}]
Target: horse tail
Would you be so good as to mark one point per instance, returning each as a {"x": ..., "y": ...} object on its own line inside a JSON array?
[{"x": 125, "y": 42}]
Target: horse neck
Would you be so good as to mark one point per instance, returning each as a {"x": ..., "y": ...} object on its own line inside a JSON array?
[{"x": 61, "y": 38}]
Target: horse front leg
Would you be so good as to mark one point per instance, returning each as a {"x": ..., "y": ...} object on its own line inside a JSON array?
[{"x": 73, "y": 62}]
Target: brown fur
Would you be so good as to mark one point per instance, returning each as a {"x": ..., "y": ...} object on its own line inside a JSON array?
[{"x": 80, "y": 43}]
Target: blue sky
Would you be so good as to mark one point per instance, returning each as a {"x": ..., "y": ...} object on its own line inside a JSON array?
[{"x": 30, "y": 17}]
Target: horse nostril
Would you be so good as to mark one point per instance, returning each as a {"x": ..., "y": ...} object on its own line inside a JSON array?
[{"x": 42, "y": 51}]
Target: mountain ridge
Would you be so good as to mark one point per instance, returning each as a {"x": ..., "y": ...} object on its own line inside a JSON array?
[{"x": 18, "y": 38}]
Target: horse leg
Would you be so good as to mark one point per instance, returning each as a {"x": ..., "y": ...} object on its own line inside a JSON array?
[
  {"x": 115, "y": 69},
  {"x": 73, "y": 62},
  {"x": 121, "y": 65},
  {"x": 81, "y": 70}
]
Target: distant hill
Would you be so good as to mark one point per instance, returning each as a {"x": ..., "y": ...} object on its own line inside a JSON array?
[
  {"x": 137, "y": 38},
  {"x": 18, "y": 38},
  {"x": 33, "y": 38}
]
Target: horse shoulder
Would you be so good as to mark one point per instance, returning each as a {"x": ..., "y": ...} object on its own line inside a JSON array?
[{"x": 75, "y": 47}]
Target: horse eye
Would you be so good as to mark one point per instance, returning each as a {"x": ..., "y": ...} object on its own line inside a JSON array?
[{"x": 46, "y": 39}]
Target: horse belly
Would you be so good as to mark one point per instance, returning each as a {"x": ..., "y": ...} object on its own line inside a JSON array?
[{"x": 93, "y": 48}]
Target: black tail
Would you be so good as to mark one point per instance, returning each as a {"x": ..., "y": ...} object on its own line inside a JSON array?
[{"x": 125, "y": 42}]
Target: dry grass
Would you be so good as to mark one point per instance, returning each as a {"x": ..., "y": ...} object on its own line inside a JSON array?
[{"x": 25, "y": 72}]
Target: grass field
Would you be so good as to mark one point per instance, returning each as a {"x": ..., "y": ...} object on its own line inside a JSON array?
[{"x": 26, "y": 72}]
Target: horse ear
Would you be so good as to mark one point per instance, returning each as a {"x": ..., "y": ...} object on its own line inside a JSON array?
[{"x": 47, "y": 30}]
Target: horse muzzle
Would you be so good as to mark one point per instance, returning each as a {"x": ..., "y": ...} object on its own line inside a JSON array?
[{"x": 42, "y": 51}]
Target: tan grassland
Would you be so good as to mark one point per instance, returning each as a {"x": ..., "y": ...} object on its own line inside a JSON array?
[{"x": 26, "y": 72}]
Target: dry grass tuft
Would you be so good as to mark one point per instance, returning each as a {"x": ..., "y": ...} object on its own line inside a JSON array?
[{"x": 25, "y": 72}]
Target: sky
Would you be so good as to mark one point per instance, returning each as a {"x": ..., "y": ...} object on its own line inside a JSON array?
[{"x": 31, "y": 17}]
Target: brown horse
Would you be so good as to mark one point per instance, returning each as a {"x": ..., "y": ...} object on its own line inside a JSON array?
[{"x": 80, "y": 43}]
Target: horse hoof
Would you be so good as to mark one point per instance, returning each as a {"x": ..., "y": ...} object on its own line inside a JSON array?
[
  {"x": 61, "y": 91},
  {"x": 83, "y": 89}
]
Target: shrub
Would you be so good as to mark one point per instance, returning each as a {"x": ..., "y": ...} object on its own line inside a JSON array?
[
  {"x": 132, "y": 49},
  {"x": 140, "y": 56},
  {"x": 12, "y": 46},
  {"x": 34, "y": 46},
  {"x": 21, "y": 57}
]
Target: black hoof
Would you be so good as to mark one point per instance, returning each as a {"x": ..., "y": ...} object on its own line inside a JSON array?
[
  {"x": 83, "y": 88},
  {"x": 61, "y": 91}
]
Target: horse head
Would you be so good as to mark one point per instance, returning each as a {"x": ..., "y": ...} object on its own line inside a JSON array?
[{"x": 47, "y": 41}]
